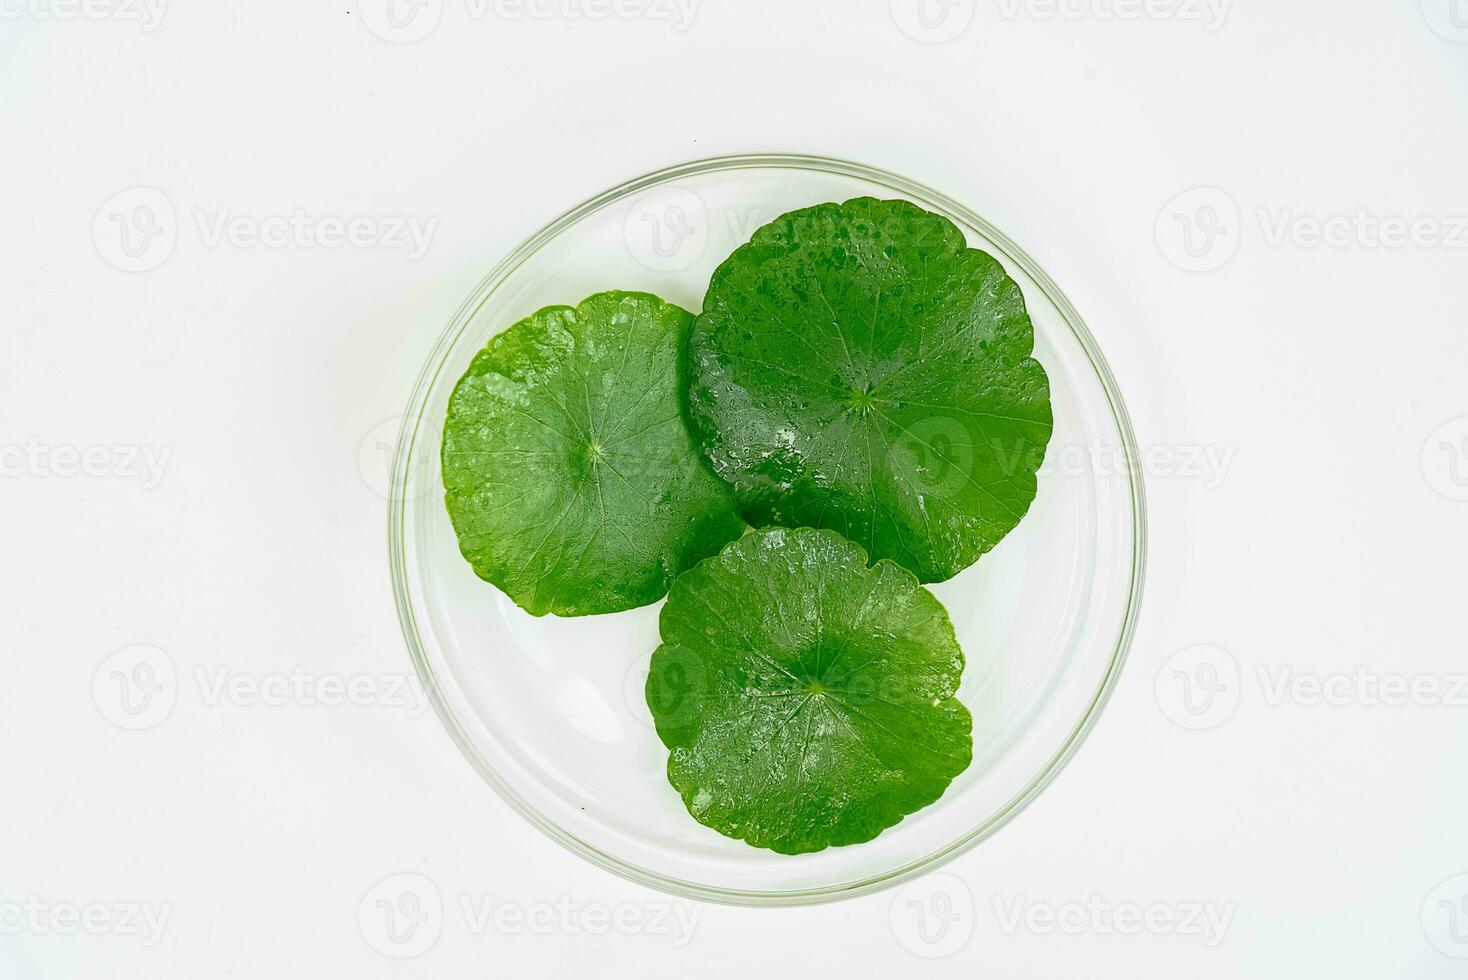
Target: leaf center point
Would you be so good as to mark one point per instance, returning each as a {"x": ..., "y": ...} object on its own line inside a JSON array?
[{"x": 861, "y": 400}]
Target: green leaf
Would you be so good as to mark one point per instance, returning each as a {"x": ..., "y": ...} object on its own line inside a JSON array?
[
  {"x": 571, "y": 478},
  {"x": 807, "y": 700},
  {"x": 857, "y": 367}
]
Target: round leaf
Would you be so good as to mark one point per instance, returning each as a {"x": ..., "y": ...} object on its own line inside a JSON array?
[
  {"x": 807, "y": 699},
  {"x": 571, "y": 479},
  {"x": 858, "y": 367}
]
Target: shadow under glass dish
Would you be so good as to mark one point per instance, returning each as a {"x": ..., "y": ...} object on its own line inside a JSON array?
[{"x": 551, "y": 712}]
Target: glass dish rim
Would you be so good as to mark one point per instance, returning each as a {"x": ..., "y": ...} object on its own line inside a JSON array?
[{"x": 399, "y": 496}]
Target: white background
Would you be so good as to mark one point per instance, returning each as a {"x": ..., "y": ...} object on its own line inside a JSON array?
[{"x": 262, "y": 380}]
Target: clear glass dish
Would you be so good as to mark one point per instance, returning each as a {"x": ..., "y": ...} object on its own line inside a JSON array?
[{"x": 550, "y": 711}]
